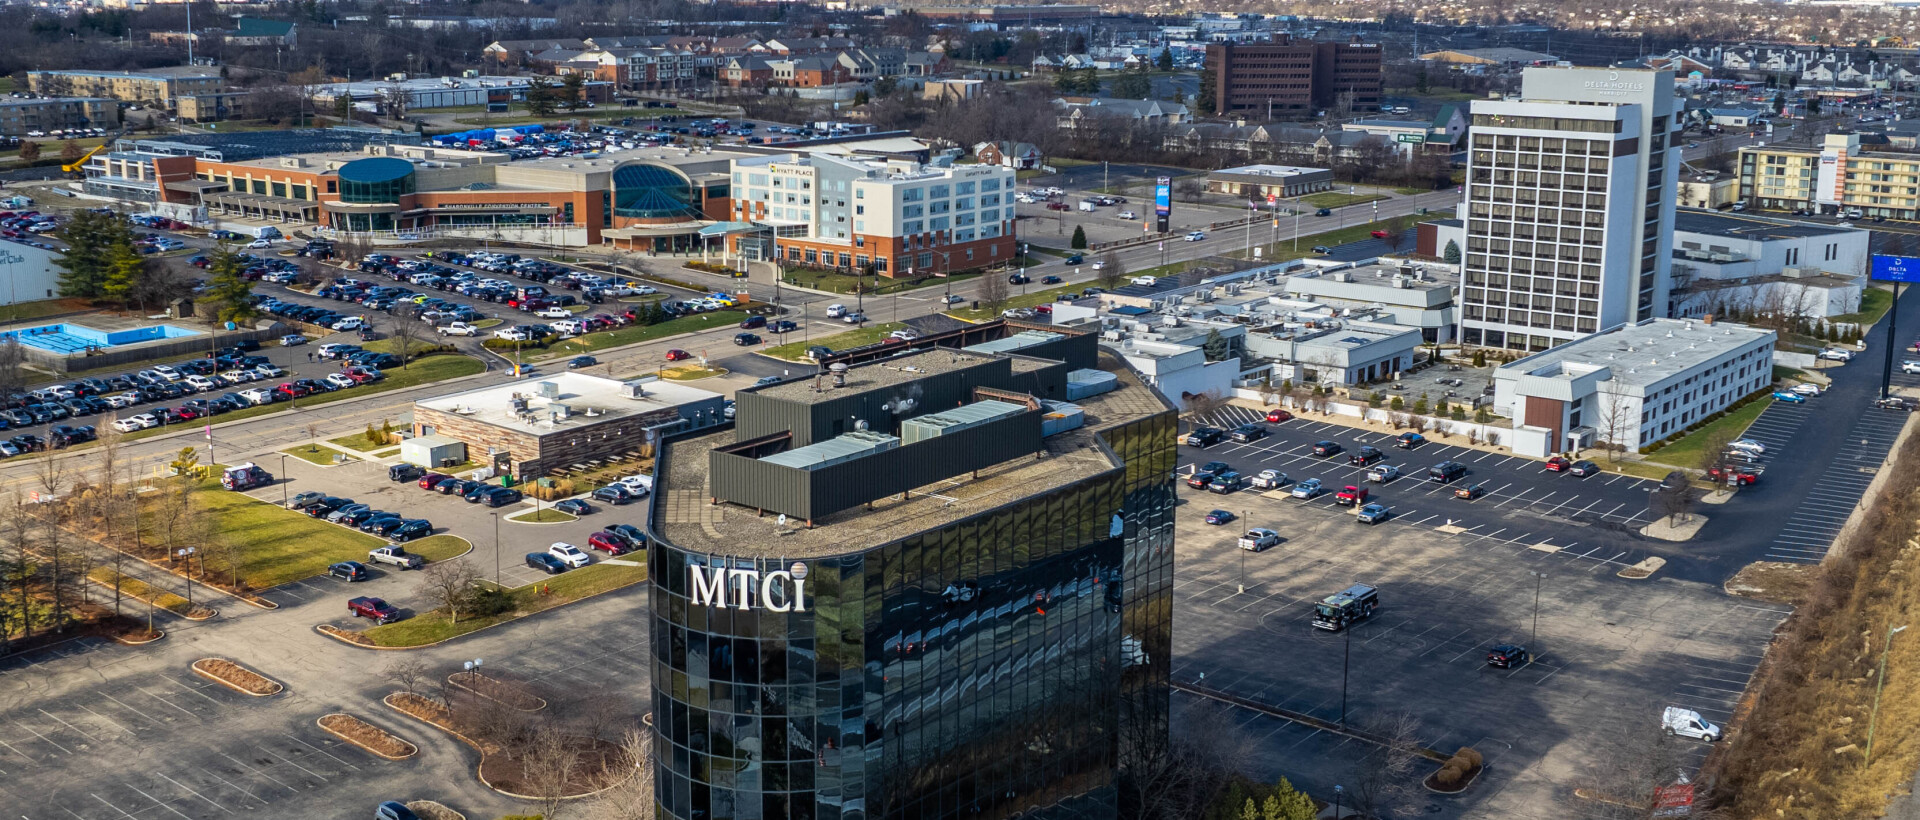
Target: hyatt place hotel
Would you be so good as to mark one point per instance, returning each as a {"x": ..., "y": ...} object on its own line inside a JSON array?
[{"x": 934, "y": 585}]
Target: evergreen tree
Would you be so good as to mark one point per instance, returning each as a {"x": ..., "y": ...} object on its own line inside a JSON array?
[
  {"x": 227, "y": 287},
  {"x": 1132, "y": 85},
  {"x": 1452, "y": 253},
  {"x": 1165, "y": 61},
  {"x": 125, "y": 268},
  {"x": 1215, "y": 346},
  {"x": 573, "y": 90},
  {"x": 540, "y": 97},
  {"x": 1204, "y": 99},
  {"x": 91, "y": 238},
  {"x": 1079, "y": 241}
]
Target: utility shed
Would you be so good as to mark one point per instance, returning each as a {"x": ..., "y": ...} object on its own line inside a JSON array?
[{"x": 433, "y": 451}]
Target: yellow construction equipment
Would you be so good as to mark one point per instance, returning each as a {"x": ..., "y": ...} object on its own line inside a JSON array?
[{"x": 75, "y": 166}]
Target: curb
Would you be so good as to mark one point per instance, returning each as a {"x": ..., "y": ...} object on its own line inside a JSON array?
[
  {"x": 483, "y": 756},
  {"x": 321, "y": 722},
  {"x": 452, "y": 680},
  {"x": 516, "y": 520},
  {"x": 158, "y": 634},
  {"x": 1296, "y": 717},
  {"x": 1471, "y": 777}
]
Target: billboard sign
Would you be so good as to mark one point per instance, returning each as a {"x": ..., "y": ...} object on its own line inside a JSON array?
[
  {"x": 1412, "y": 138},
  {"x": 1162, "y": 202},
  {"x": 1895, "y": 268}
]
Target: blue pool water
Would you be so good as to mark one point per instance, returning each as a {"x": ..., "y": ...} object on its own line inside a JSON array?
[{"x": 79, "y": 339}]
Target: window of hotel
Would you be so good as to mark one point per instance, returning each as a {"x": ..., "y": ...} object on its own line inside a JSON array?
[
  {"x": 259, "y": 186},
  {"x": 812, "y": 256},
  {"x": 960, "y": 188},
  {"x": 280, "y": 190},
  {"x": 938, "y": 192}
]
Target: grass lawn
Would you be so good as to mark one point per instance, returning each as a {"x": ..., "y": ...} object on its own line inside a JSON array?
[
  {"x": 139, "y": 590},
  {"x": 691, "y": 372},
  {"x": 796, "y": 351},
  {"x": 1335, "y": 199},
  {"x": 1030, "y": 299},
  {"x": 46, "y": 307},
  {"x": 565, "y": 588},
  {"x": 1640, "y": 469},
  {"x": 1783, "y": 372},
  {"x": 424, "y": 371},
  {"x": 358, "y": 441},
  {"x": 834, "y": 282},
  {"x": 483, "y": 324},
  {"x": 439, "y": 547},
  {"x": 641, "y": 333},
  {"x": 1874, "y": 303},
  {"x": 312, "y": 454},
  {"x": 546, "y": 515},
  {"x": 276, "y": 545},
  {"x": 1412, "y": 191},
  {"x": 1688, "y": 451}
]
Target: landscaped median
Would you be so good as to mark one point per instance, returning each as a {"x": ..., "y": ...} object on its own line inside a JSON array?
[
  {"x": 797, "y": 351},
  {"x": 370, "y": 738},
  {"x": 633, "y": 334},
  {"x": 237, "y": 677},
  {"x": 543, "y": 516},
  {"x": 429, "y": 628},
  {"x": 316, "y": 454},
  {"x": 1688, "y": 451},
  {"x": 507, "y": 762}
]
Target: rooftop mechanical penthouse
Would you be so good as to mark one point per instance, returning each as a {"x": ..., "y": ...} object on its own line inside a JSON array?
[{"x": 934, "y": 585}]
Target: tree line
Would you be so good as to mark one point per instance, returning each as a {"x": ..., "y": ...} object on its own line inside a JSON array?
[{"x": 102, "y": 263}]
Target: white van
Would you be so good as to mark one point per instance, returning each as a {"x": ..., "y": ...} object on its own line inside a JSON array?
[
  {"x": 1688, "y": 723},
  {"x": 836, "y": 311}
]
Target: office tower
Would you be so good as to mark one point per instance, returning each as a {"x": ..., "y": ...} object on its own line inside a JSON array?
[
  {"x": 1285, "y": 78},
  {"x": 921, "y": 587}
]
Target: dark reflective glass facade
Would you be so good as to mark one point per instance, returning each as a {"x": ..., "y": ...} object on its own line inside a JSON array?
[
  {"x": 643, "y": 191},
  {"x": 1009, "y": 662},
  {"x": 377, "y": 181}
]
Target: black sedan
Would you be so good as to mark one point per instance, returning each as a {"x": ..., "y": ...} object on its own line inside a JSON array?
[
  {"x": 349, "y": 571},
  {"x": 1326, "y": 449},
  {"x": 1248, "y": 432},
  {"x": 1508, "y": 656},
  {"x": 545, "y": 563}
]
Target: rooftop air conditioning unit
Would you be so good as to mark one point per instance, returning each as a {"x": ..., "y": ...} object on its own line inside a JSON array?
[{"x": 549, "y": 390}]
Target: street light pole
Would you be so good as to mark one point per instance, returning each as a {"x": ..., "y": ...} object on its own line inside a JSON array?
[
  {"x": 1537, "y": 578},
  {"x": 1339, "y": 795},
  {"x": 496, "y": 548},
  {"x": 1879, "y": 682},
  {"x": 283, "y": 482}
]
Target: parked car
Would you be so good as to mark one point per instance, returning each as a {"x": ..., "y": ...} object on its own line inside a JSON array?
[
  {"x": 1507, "y": 656},
  {"x": 1351, "y": 495},
  {"x": 1409, "y": 441},
  {"x": 1277, "y": 416},
  {"x": 1326, "y": 449},
  {"x": 1204, "y": 437},
  {"x": 546, "y": 563},
  {"x": 1366, "y": 456},
  {"x": 1470, "y": 492},
  {"x": 1270, "y": 480},
  {"x": 1583, "y": 468},
  {"x": 614, "y": 494},
  {"x": 1373, "y": 514},
  {"x": 1383, "y": 473},
  {"x": 568, "y": 554},
  {"x": 397, "y": 556},
  {"x": 574, "y": 506},
  {"x": 1248, "y": 433},
  {"x": 1218, "y": 517},
  {"x": 378, "y": 610},
  {"x": 350, "y": 571},
  {"x": 1307, "y": 489},
  {"x": 610, "y": 543}
]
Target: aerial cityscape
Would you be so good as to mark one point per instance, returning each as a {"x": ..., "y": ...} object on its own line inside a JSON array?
[{"x": 1363, "y": 410}]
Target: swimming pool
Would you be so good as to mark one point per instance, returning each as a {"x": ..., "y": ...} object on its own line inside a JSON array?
[{"x": 79, "y": 338}]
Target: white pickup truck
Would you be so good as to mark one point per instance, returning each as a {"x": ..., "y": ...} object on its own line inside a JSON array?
[
  {"x": 397, "y": 556},
  {"x": 459, "y": 329},
  {"x": 1259, "y": 538}
]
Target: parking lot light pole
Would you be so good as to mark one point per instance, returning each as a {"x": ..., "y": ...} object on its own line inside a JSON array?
[
  {"x": 1537, "y": 578},
  {"x": 1339, "y": 795},
  {"x": 496, "y": 548},
  {"x": 283, "y": 482},
  {"x": 473, "y": 667},
  {"x": 1879, "y": 682}
]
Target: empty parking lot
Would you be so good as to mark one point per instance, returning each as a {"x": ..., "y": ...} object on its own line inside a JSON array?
[{"x": 1610, "y": 653}]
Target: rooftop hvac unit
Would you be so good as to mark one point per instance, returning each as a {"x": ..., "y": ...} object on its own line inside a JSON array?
[
  {"x": 549, "y": 390},
  {"x": 559, "y": 411},
  {"x": 956, "y": 419}
]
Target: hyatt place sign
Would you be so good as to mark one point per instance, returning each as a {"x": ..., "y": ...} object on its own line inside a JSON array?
[{"x": 777, "y": 591}]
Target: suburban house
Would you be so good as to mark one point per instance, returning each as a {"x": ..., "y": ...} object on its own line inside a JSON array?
[{"x": 1016, "y": 155}]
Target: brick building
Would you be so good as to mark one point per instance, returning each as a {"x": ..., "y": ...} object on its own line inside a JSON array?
[
  {"x": 1288, "y": 78},
  {"x": 530, "y": 428}
]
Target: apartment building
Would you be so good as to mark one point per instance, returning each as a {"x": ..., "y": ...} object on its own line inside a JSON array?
[
  {"x": 1839, "y": 176},
  {"x": 19, "y": 118},
  {"x": 1287, "y": 78},
  {"x": 895, "y": 217},
  {"x": 153, "y": 86},
  {"x": 1569, "y": 207}
]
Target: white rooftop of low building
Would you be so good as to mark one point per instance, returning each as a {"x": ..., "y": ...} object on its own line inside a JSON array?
[
  {"x": 1648, "y": 352},
  {"x": 1264, "y": 170},
  {"x": 606, "y": 398}
]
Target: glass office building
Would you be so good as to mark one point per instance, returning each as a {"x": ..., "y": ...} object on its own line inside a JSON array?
[{"x": 997, "y": 648}]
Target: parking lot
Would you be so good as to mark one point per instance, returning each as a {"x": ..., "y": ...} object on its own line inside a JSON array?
[
  {"x": 366, "y": 482},
  {"x": 1523, "y": 503},
  {"x": 1609, "y": 654},
  {"x": 1807, "y": 532}
]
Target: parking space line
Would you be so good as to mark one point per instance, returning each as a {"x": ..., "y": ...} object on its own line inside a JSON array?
[
  {"x": 190, "y": 790},
  {"x": 103, "y": 802},
  {"x": 23, "y": 755},
  {"x": 296, "y": 764},
  {"x": 36, "y": 733},
  {"x": 156, "y": 801},
  {"x": 251, "y": 770},
  {"x": 324, "y": 752}
]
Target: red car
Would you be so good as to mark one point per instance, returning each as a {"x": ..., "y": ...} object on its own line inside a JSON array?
[
  {"x": 1739, "y": 476},
  {"x": 380, "y": 611},
  {"x": 610, "y": 543},
  {"x": 676, "y": 355},
  {"x": 1379, "y": 234},
  {"x": 1279, "y": 415},
  {"x": 1558, "y": 465},
  {"x": 430, "y": 479},
  {"x": 294, "y": 390},
  {"x": 1350, "y": 496},
  {"x": 187, "y": 413}
]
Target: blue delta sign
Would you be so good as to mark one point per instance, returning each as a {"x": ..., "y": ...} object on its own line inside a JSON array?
[{"x": 1896, "y": 268}]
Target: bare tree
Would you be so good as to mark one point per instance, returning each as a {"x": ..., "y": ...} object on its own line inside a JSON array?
[
  {"x": 406, "y": 330},
  {"x": 406, "y": 672},
  {"x": 632, "y": 771},
  {"x": 1617, "y": 419},
  {"x": 1202, "y": 406},
  {"x": 1674, "y": 499},
  {"x": 1171, "y": 775},
  {"x": 1396, "y": 233},
  {"x": 1384, "y": 777},
  {"x": 550, "y": 760},
  {"x": 449, "y": 585},
  {"x": 13, "y": 375},
  {"x": 1112, "y": 271},
  {"x": 1623, "y": 766},
  {"x": 992, "y": 291}
]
